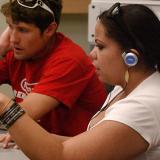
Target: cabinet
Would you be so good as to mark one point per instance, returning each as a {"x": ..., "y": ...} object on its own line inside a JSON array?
[{"x": 75, "y": 6}]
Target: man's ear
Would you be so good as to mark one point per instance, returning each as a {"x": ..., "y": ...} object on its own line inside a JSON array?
[{"x": 51, "y": 29}]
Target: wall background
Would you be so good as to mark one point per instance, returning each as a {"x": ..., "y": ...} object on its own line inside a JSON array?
[{"x": 74, "y": 26}]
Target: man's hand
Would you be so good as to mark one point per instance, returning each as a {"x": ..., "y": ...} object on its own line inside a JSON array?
[
  {"x": 5, "y": 42},
  {"x": 6, "y": 139}
]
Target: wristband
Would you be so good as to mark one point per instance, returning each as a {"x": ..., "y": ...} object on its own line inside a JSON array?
[{"x": 9, "y": 117}]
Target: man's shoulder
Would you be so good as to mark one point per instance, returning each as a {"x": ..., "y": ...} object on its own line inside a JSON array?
[{"x": 68, "y": 43}]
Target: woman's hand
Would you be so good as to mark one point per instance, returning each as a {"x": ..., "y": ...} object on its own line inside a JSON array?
[{"x": 5, "y": 138}]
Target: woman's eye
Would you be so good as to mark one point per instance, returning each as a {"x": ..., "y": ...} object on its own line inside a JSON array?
[{"x": 100, "y": 47}]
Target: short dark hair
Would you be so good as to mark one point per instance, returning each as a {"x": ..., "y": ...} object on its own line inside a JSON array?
[
  {"x": 143, "y": 24},
  {"x": 37, "y": 16}
]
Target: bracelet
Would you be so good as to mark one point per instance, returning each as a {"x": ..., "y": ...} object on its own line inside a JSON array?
[{"x": 9, "y": 117}]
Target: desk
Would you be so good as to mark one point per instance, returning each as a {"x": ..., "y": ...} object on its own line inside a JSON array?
[{"x": 11, "y": 154}]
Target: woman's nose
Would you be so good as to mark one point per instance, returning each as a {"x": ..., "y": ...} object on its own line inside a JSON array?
[{"x": 93, "y": 55}]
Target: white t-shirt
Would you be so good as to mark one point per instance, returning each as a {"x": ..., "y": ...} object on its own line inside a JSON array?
[{"x": 140, "y": 110}]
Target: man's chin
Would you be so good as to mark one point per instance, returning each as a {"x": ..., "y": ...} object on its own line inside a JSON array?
[
  {"x": 20, "y": 57},
  {"x": 101, "y": 79}
]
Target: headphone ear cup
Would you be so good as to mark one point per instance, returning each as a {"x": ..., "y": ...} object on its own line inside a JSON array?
[{"x": 130, "y": 59}]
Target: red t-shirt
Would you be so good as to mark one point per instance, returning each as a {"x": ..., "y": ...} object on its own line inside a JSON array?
[{"x": 66, "y": 74}]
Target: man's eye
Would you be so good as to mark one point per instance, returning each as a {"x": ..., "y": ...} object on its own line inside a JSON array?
[{"x": 23, "y": 30}]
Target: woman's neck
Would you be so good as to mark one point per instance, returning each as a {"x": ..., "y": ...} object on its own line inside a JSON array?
[{"x": 135, "y": 78}]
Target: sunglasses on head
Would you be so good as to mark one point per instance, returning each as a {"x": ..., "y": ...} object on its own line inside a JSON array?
[
  {"x": 34, "y": 4},
  {"x": 114, "y": 10},
  {"x": 115, "y": 13}
]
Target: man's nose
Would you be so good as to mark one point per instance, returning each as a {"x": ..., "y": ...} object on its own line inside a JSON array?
[{"x": 14, "y": 37}]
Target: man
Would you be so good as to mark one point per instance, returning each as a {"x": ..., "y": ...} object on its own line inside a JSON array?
[{"x": 51, "y": 76}]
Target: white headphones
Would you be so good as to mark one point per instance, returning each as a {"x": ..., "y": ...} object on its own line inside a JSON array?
[{"x": 130, "y": 58}]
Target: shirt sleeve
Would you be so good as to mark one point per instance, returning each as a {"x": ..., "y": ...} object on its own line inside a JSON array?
[
  {"x": 65, "y": 80},
  {"x": 138, "y": 116},
  {"x": 4, "y": 70}
]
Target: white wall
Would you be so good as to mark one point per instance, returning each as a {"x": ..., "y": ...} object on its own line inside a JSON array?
[
  {"x": 2, "y": 18},
  {"x": 97, "y": 6}
]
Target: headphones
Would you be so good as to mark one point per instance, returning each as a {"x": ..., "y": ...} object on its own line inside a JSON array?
[{"x": 130, "y": 58}]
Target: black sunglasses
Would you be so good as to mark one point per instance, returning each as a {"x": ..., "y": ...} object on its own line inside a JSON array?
[{"x": 115, "y": 13}]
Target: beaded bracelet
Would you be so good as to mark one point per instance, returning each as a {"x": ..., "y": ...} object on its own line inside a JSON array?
[{"x": 8, "y": 118}]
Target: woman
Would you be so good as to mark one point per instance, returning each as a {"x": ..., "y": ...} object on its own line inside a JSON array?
[{"x": 127, "y": 55}]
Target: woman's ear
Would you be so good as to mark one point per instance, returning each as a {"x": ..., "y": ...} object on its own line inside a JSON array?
[
  {"x": 51, "y": 29},
  {"x": 135, "y": 51}
]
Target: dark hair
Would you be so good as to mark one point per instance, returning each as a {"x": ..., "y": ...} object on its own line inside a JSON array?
[
  {"x": 37, "y": 16},
  {"x": 141, "y": 31}
]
